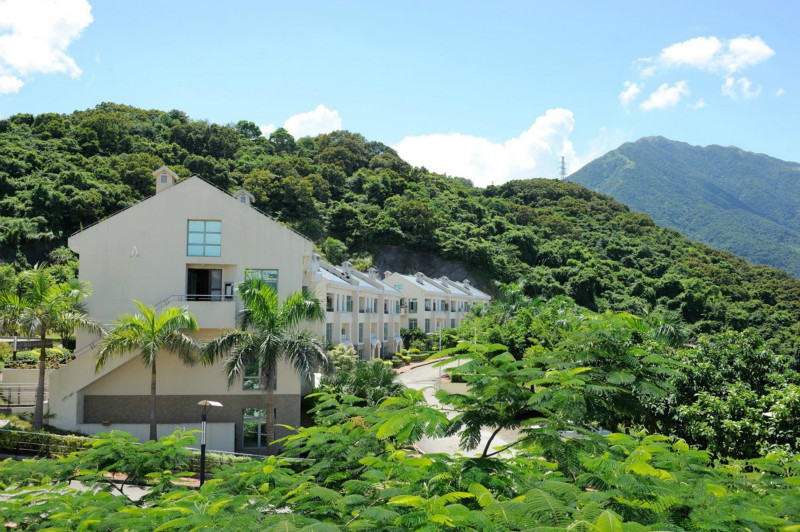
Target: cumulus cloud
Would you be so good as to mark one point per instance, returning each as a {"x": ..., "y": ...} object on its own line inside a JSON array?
[
  {"x": 320, "y": 120},
  {"x": 10, "y": 84},
  {"x": 714, "y": 54},
  {"x": 632, "y": 90},
  {"x": 740, "y": 88},
  {"x": 698, "y": 52},
  {"x": 534, "y": 153},
  {"x": 267, "y": 129},
  {"x": 780, "y": 92},
  {"x": 35, "y": 35},
  {"x": 665, "y": 96}
]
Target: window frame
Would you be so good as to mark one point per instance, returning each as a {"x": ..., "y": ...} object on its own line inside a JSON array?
[{"x": 209, "y": 240}]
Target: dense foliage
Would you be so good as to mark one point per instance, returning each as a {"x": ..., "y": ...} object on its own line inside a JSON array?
[
  {"x": 359, "y": 472},
  {"x": 727, "y": 393},
  {"x": 730, "y": 199},
  {"x": 354, "y": 197}
]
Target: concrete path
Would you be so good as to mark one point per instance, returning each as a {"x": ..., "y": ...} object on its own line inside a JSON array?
[{"x": 426, "y": 377}]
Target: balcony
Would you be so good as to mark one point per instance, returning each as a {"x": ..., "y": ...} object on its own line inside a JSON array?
[{"x": 210, "y": 311}]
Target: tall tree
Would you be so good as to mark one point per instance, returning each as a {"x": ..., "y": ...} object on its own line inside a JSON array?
[
  {"x": 270, "y": 332},
  {"x": 150, "y": 332},
  {"x": 42, "y": 305}
]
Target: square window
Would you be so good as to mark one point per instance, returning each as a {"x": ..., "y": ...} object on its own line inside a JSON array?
[{"x": 204, "y": 238}]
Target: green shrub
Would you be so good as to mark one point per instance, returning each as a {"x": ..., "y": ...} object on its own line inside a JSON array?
[{"x": 41, "y": 443}]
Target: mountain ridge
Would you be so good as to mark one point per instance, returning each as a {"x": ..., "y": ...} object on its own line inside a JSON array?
[{"x": 726, "y": 197}]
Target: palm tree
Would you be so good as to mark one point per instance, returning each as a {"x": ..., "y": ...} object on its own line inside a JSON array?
[
  {"x": 149, "y": 332},
  {"x": 269, "y": 332},
  {"x": 42, "y": 305}
]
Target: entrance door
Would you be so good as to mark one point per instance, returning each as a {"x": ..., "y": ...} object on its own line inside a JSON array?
[{"x": 204, "y": 285}]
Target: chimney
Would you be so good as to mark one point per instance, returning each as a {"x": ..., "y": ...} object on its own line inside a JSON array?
[
  {"x": 373, "y": 273},
  {"x": 419, "y": 278}
]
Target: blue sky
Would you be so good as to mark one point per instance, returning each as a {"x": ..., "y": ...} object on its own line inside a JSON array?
[{"x": 488, "y": 91}]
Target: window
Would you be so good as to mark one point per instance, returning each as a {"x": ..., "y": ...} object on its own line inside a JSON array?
[
  {"x": 344, "y": 334},
  {"x": 452, "y": 323},
  {"x": 329, "y": 332},
  {"x": 163, "y": 178},
  {"x": 412, "y": 324},
  {"x": 329, "y": 302},
  {"x": 251, "y": 380},
  {"x": 397, "y": 307},
  {"x": 427, "y": 304},
  {"x": 385, "y": 331},
  {"x": 443, "y": 305},
  {"x": 243, "y": 198},
  {"x": 268, "y": 276},
  {"x": 254, "y": 427},
  {"x": 412, "y": 305},
  {"x": 360, "y": 333},
  {"x": 348, "y": 304},
  {"x": 427, "y": 325},
  {"x": 204, "y": 238}
]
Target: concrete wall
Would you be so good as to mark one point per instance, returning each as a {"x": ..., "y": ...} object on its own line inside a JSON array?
[{"x": 219, "y": 436}]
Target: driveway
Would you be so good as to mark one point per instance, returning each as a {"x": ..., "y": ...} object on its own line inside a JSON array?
[{"x": 429, "y": 379}]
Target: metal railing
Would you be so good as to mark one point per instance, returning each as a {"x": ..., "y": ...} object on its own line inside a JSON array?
[{"x": 19, "y": 395}]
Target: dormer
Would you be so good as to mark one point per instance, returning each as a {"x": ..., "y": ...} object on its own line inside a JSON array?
[
  {"x": 420, "y": 278},
  {"x": 244, "y": 197},
  {"x": 165, "y": 178}
]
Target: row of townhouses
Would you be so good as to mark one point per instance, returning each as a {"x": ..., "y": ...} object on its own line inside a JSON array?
[{"x": 191, "y": 244}]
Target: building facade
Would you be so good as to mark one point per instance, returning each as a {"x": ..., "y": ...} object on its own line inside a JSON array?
[{"x": 190, "y": 245}]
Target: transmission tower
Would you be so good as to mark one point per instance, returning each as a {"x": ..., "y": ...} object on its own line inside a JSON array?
[{"x": 563, "y": 174}]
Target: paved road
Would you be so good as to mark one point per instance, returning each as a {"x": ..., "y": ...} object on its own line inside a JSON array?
[{"x": 427, "y": 378}]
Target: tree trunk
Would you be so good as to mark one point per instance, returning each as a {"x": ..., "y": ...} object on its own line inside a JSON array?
[
  {"x": 38, "y": 412},
  {"x": 153, "y": 424},
  {"x": 270, "y": 407}
]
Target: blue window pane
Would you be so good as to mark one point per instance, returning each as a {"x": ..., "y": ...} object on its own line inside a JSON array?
[
  {"x": 212, "y": 251},
  {"x": 195, "y": 238},
  {"x": 195, "y": 251},
  {"x": 196, "y": 226},
  {"x": 213, "y": 238},
  {"x": 213, "y": 227}
]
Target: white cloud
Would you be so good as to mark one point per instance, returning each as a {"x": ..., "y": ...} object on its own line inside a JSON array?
[
  {"x": 320, "y": 120},
  {"x": 536, "y": 152},
  {"x": 10, "y": 84},
  {"x": 35, "y": 35},
  {"x": 714, "y": 54},
  {"x": 742, "y": 87},
  {"x": 266, "y": 130},
  {"x": 699, "y": 104},
  {"x": 780, "y": 92},
  {"x": 745, "y": 51},
  {"x": 646, "y": 66},
  {"x": 698, "y": 52},
  {"x": 632, "y": 90},
  {"x": 665, "y": 96}
]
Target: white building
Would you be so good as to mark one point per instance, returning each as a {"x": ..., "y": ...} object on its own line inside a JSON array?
[{"x": 189, "y": 244}]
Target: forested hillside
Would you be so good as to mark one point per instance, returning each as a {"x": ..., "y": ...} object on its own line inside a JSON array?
[
  {"x": 353, "y": 197},
  {"x": 742, "y": 202}
]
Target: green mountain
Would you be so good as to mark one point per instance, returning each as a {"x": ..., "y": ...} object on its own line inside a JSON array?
[
  {"x": 730, "y": 199},
  {"x": 357, "y": 200}
]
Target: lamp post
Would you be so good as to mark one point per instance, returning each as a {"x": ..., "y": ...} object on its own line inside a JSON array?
[{"x": 205, "y": 403}]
